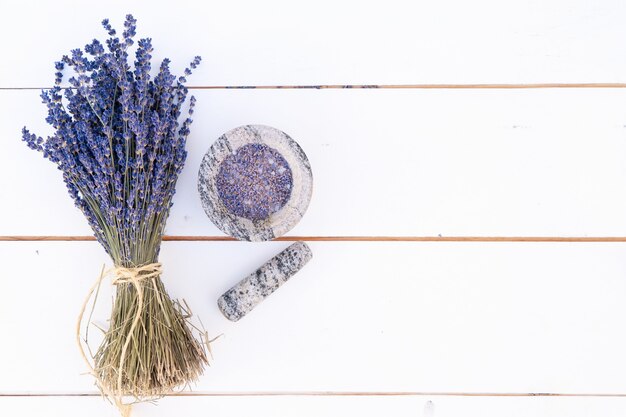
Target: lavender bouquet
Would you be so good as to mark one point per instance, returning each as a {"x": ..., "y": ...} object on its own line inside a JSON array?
[{"x": 120, "y": 147}]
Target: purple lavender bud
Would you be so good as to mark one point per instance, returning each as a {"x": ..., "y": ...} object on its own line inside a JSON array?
[
  {"x": 117, "y": 139},
  {"x": 108, "y": 27}
]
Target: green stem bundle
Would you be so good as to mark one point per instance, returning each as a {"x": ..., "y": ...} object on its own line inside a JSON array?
[{"x": 163, "y": 354}]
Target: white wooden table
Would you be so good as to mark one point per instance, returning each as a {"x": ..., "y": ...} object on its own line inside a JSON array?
[{"x": 468, "y": 220}]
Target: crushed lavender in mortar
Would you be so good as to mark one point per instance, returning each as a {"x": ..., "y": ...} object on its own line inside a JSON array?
[{"x": 254, "y": 182}]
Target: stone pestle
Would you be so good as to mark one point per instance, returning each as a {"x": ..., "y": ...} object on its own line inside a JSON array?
[{"x": 249, "y": 292}]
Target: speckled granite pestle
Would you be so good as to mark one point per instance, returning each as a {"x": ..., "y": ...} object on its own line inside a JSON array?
[{"x": 249, "y": 292}]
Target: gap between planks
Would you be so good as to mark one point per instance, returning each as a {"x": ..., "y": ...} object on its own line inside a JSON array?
[
  {"x": 332, "y": 394},
  {"x": 169, "y": 238},
  {"x": 383, "y": 86}
]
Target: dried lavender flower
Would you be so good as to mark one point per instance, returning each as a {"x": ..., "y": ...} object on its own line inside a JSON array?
[{"x": 120, "y": 147}]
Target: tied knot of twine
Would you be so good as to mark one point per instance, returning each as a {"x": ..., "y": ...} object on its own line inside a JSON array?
[{"x": 121, "y": 275}]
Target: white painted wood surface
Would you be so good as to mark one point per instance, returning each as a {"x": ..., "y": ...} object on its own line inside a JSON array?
[
  {"x": 307, "y": 406},
  {"x": 388, "y": 162},
  {"x": 372, "y": 316},
  {"x": 362, "y": 317},
  {"x": 280, "y": 42}
]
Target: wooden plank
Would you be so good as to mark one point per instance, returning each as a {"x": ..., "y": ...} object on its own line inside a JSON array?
[
  {"x": 385, "y": 162},
  {"x": 361, "y": 317},
  {"x": 421, "y": 406},
  {"x": 279, "y": 43}
]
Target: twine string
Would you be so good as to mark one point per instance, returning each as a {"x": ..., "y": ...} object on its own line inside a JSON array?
[{"x": 121, "y": 275}]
